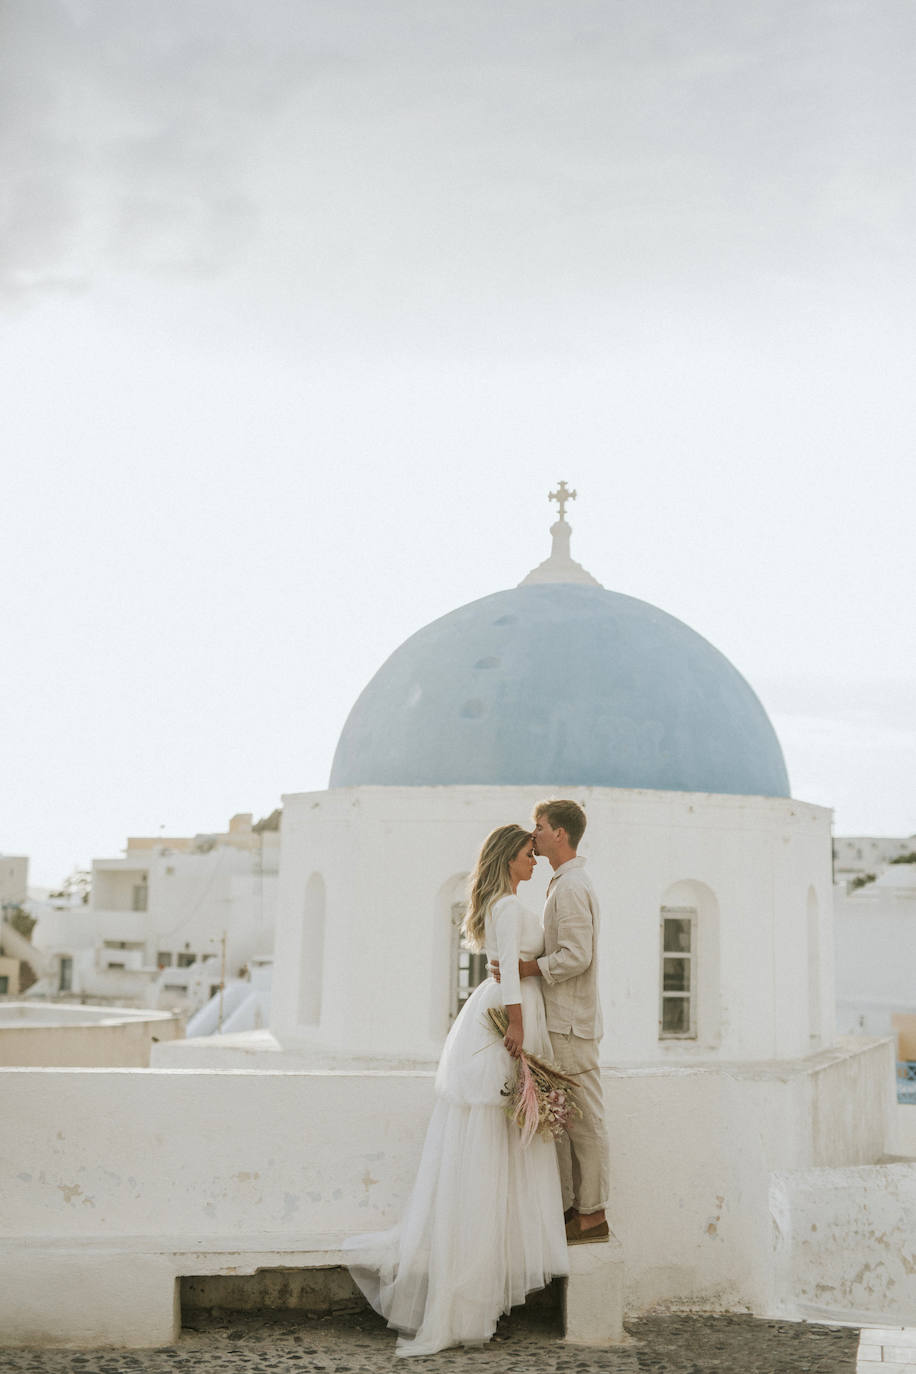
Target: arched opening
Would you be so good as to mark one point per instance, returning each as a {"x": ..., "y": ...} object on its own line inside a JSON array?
[
  {"x": 689, "y": 993},
  {"x": 311, "y": 957},
  {"x": 814, "y": 968}
]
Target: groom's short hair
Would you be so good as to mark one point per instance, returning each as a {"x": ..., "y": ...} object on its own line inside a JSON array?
[{"x": 565, "y": 815}]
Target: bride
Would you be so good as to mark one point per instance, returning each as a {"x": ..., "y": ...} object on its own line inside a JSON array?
[{"x": 483, "y": 1225}]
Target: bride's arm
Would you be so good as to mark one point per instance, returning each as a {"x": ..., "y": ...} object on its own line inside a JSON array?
[{"x": 507, "y": 926}]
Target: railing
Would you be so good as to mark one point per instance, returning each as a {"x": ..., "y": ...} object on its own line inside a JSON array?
[{"x": 906, "y": 1081}]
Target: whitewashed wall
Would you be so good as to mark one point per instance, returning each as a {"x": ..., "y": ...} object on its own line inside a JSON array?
[
  {"x": 367, "y": 875},
  {"x": 903, "y": 1133},
  {"x": 183, "y": 1163}
]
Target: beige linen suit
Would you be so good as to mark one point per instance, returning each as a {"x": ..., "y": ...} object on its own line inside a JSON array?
[{"x": 569, "y": 969}]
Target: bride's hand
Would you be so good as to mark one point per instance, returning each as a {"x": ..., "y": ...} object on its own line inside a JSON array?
[{"x": 515, "y": 1034}]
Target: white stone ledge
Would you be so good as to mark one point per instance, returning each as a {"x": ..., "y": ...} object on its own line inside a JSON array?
[
  {"x": 261, "y": 1250},
  {"x": 890, "y": 1335},
  {"x": 123, "y": 1291},
  {"x": 845, "y": 1049}
]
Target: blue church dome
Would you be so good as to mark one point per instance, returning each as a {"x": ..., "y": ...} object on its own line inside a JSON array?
[{"x": 555, "y": 683}]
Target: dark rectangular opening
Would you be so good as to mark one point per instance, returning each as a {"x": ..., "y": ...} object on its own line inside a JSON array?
[{"x": 281, "y": 1294}]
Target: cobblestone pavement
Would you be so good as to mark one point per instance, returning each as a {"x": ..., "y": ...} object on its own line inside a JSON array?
[{"x": 524, "y": 1344}]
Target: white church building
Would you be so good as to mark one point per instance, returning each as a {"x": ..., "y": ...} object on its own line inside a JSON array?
[
  {"x": 715, "y": 885},
  {"x": 722, "y": 1065},
  {"x": 746, "y": 1138}
]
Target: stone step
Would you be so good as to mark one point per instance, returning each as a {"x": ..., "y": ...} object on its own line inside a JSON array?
[
  {"x": 888, "y": 1348},
  {"x": 593, "y": 1307}
]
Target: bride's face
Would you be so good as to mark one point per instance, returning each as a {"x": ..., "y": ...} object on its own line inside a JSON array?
[{"x": 522, "y": 866}]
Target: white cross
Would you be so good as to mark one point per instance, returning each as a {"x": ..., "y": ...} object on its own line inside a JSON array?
[{"x": 561, "y": 496}]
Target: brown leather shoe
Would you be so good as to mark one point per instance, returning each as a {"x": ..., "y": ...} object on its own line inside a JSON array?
[{"x": 590, "y": 1235}]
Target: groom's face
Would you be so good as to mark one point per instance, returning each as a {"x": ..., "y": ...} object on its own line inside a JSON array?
[{"x": 545, "y": 837}]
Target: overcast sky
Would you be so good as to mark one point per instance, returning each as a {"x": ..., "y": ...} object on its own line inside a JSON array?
[{"x": 305, "y": 305}]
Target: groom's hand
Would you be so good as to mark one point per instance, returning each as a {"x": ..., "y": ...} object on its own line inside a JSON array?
[{"x": 527, "y": 968}]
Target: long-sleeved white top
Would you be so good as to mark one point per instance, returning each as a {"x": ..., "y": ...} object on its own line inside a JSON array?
[{"x": 512, "y": 933}]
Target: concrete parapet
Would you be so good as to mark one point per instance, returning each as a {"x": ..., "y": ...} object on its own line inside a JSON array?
[
  {"x": 57, "y": 1035},
  {"x": 845, "y": 1244}
]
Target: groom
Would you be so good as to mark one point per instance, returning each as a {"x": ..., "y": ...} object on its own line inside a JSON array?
[{"x": 569, "y": 969}]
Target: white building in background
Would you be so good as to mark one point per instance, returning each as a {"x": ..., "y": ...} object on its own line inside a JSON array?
[
  {"x": 875, "y": 935},
  {"x": 867, "y": 856},
  {"x": 14, "y": 879},
  {"x": 14, "y": 948},
  {"x": 167, "y": 922}
]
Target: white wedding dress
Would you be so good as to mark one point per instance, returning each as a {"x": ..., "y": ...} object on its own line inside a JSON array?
[{"x": 483, "y": 1225}]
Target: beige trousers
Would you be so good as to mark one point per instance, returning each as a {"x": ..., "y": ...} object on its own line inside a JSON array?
[{"x": 583, "y": 1153}]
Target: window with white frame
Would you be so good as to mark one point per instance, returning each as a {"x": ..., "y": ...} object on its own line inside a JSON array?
[
  {"x": 677, "y": 1013},
  {"x": 470, "y": 969}
]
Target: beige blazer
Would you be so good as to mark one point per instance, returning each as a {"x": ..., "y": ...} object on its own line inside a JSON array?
[{"x": 569, "y": 964}]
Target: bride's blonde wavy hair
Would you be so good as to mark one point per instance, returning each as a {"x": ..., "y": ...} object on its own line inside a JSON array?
[{"x": 490, "y": 879}]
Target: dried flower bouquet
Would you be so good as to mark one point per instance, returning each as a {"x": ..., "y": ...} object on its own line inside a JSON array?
[{"x": 540, "y": 1099}]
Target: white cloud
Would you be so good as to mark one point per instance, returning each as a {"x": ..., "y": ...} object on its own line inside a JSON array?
[{"x": 392, "y": 153}]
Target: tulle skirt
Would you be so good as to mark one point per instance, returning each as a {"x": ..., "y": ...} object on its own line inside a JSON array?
[{"x": 483, "y": 1225}]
